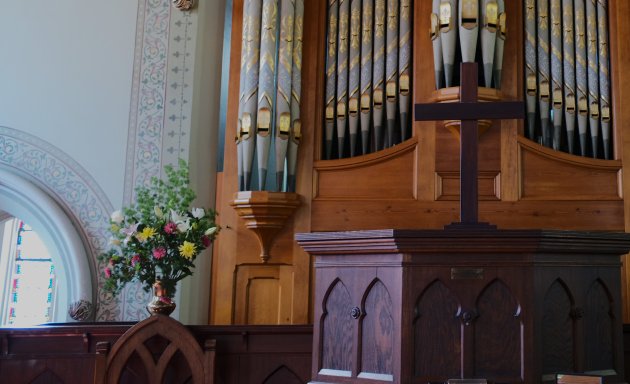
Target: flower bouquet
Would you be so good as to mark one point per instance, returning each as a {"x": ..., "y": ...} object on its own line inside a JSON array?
[{"x": 156, "y": 240}]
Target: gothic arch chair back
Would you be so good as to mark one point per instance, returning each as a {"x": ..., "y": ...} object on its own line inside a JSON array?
[{"x": 156, "y": 350}]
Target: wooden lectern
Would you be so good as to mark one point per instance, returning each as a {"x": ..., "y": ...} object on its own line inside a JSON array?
[{"x": 508, "y": 306}]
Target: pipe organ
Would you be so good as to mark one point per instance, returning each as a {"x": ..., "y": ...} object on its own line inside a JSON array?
[
  {"x": 567, "y": 72},
  {"x": 368, "y": 70},
  {"x": 477, "y": 25},
  {"x": 269, "y": 98}
]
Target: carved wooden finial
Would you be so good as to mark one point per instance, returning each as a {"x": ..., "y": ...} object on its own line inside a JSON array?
[{"x": 184, "y": 5}]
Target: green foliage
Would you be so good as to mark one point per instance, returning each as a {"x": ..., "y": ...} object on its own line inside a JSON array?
[{"x": 160, "y": 236}]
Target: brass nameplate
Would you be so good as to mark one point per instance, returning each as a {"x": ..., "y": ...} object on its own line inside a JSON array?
[{"x": 467, "y": 274}]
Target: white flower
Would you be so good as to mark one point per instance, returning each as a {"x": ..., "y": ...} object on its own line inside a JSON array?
[
  {"x": 176, "y": 218},
  {"x": 158, "y": 212},
  {"x": 114, "y": 241},
  {"x": 198, "y": 213},
  {"x": 210, "y": 231},
  {"x": 117, "y": 217},
  {"x": 129, "y": 231},
  {"x": 183, "y": 226}
]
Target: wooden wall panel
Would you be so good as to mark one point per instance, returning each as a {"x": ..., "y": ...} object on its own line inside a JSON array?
[
  {"x": 447, "y": 186},
  {"x": 245, "y": 354},
  {"x": 550, "y": 175},
  {"x": 385, "y": 175}
]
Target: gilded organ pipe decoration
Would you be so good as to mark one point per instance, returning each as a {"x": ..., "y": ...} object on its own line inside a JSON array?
[
  {"x": 544, "y": 70},
  {"x": 478, "y": 25},
  {"x": 489, "y": 28},
  {"x": 342, "y": 73},
  {"x": 557, "y": 96},
  {"x": 448, "y": 36},
  {"x": 284, "y": 82},
  {"x": 241, "y": 96},
  {"x": 331, "y": 77},
  {"x": 531, "y": 66},
  {"x": 354, "y": 80},
  {"x": 568, "y": 59},
  {"x": 580, "y": 73},
  {"x": 604, "y": 76},
  {"x": 250, "y": 100},
  {"x": 404, "y": 66},
  {"x": 468, "y": 29},
  {"x": 500, "y": 44},
  {"x": 438, "y": 62},
  {"x": 368, "y": 76},
  {"x": 391, "y": 70},
  {"x": 269, "y": 93},
  {"x": 266, "y": 87},
  {"x": 367, "y": 40},
  {"x": 296, "y": 94},
  {"x": 593, "y": 75},
  {"x": 378, "y": 80},
  {"x": 568, "y": 49}
]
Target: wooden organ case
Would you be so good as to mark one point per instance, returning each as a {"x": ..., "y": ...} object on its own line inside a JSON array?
[{"x": 414, "y": 185}]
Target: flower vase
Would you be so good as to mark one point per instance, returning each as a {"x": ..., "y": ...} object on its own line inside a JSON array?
[{"x": 161, "y": 303}]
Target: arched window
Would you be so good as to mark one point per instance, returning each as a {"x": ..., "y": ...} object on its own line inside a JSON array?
[
  {"x": 29, "y": 276},
  {"x": 21, "y": 199}
]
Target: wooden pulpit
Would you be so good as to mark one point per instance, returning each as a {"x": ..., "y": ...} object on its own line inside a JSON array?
[{"x": 426, "y": 306}]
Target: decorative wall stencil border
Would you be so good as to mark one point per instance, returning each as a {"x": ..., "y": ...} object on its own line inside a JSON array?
[
  {"x": 68, "y": 184},
  {"x": 146, "y": 120},
  {"x": 179, "y": 90},
  {"x": 159, "y": 120}
]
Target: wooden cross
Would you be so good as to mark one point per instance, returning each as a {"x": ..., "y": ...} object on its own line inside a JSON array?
[{"x": 469, "y": 111}]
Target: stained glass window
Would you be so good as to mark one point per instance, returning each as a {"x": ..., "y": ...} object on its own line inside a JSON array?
[{"x": 32, "y": 287}]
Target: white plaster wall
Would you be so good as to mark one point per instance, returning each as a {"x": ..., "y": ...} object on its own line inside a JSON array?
[
  {"x": 195, "y": 292},
  {"x": 65, "y": 77},
  {"x": 110, "y": 92}
]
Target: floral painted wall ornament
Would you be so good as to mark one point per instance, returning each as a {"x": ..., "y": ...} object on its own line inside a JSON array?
[{"x": 184, "y": 5}]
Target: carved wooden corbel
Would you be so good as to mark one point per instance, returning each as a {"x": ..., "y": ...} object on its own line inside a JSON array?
[{"x": 184, "y": 5}]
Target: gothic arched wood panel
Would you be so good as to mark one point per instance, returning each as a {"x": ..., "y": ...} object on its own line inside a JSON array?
[
  {"x": 282, "y": 375},
  {"x": 598, "y": 328},
  {"x": 557, "y": 329},
  {"x": 336, "y": 333},
  {"x": 437, "y": 325},
  {"x": 377, "y": 333},
  {"x": 498, "y": 355}
]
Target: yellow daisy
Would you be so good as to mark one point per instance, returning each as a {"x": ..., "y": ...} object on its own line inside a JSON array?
[
  {"x": 146, "y": 234},
  {"x": 187, "y": 250}
]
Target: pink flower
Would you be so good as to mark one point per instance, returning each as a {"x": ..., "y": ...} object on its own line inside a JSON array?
[
  {"x": 135, "y": 260},
  {"x": 170, "y": 228},
  {"x": 108, "y": 272},
  {"x": 159, "y": 253},
  {"x": 205, "y": 240}
]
